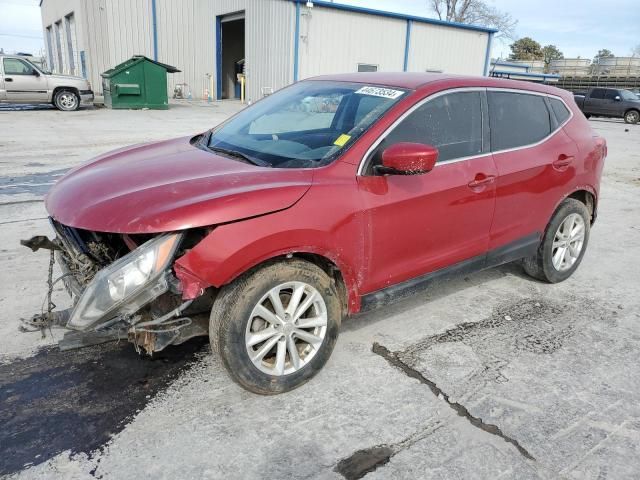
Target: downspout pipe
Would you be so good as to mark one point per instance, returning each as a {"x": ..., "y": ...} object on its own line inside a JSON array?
[
  {"x": 296, "y": 43},
  {"x": 155, "y": 29},
  {"x": 407, "y": 45},
  {"x": 487, "y": 57}
]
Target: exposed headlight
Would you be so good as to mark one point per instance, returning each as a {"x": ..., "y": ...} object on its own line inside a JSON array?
[{"x": 127, "y": 284}]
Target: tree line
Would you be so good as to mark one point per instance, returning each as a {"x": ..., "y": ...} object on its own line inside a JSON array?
[{"x": 479, "y": 12}]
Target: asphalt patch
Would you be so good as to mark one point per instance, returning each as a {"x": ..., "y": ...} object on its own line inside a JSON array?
[
  {"x": 77, "y": 400},
  {"x": 364, "y": 461},
  {"x": 35, "y": 183}
]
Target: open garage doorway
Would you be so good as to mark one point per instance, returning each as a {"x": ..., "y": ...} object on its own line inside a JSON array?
[{"x": 230, "y": 55}]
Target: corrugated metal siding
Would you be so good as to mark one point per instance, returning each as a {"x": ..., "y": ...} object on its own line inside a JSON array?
[
  {"x": 450, "y": 50},
  {"x": 110, "y": 31},
  {"x": 268, "y": 42},
  {"x": 113, "y": 31},
  {"x": 186, "y": 40},
  {"x": 269, "y": 45},
  {"x": 334, "y": 41}
]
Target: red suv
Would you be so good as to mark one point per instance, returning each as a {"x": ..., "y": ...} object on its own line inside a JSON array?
[{"x": 335, "y": 195}]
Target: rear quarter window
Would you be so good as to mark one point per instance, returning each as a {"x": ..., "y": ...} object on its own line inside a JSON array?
[
  {"x": 559, "y": 110},
  {"x": 517, "y": 119}
]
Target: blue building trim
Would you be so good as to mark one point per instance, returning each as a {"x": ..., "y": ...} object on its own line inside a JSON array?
[
  {"x": 155, "y": 29},
  {"x": 401, "y": 16},
  {"x": 83, "y": 64},
  {"x": 296, "y": 43},
  {"x": 407, "y": 45},
  {"x": 508, "y": 74},
  {"x": 218, "y": 58},
  {"x": 514, "y": 65},
  {"x": 487, "y": 56}
]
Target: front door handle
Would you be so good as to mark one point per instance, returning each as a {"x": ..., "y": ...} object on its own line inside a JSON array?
[
  {"x": 8, "y": 79},
  {"x": 562, "y": 162},
  {"x": 481, "y": 180}
]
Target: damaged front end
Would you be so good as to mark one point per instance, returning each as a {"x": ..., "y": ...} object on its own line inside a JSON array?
[{"x": 122, "y": 286}]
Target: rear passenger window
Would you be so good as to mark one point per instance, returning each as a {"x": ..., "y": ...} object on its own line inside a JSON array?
[
  {"x": 452, "y": 123},
  {"x": 611, "y": 94},
  {"x": 598, "y": 93},
  {"x": 559, "y": 110},
  {"x": 517, "y": 119}
]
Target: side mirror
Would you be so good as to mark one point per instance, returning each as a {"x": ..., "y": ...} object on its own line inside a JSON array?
[
  {"x": 617, "y": 98},
  {"x": 408, "y": 159},
  {"x": 35, "y": 73}
]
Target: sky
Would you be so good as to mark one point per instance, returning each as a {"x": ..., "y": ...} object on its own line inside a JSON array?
[{"x": 576, "y": 27}]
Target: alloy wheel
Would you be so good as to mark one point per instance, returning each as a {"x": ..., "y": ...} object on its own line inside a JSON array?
[
  {"x": 286, "y": 328},
  {"x": 568, "y": 242},
  {"x": 68, "y": 101}
]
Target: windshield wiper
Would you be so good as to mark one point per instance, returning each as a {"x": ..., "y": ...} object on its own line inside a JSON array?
[{"x": 240, "y": 155}]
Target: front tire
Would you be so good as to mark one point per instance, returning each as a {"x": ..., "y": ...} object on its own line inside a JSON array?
[
  {"x": 563, "y": 244},
  {"x": 275, "y": 327},
  {"x": 632, "y": 117},
  {"x": 66, "y": 100}
]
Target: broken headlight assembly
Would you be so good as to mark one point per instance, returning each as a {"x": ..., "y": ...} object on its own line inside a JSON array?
[{"x": 127, "y": 284}]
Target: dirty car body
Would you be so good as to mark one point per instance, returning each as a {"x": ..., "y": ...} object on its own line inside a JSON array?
[{"x": 333, "y": 196}]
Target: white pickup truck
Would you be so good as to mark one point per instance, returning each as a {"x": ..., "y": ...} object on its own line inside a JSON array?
[{"x": 23, "y": 82}]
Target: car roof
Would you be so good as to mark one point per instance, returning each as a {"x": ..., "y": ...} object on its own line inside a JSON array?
[{"x": 419, "y": 80}]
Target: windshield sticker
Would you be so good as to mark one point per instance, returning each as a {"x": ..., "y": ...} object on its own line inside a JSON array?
[
  {"x": 380, "y": 92},
  {"x": 341, "y": 140}
]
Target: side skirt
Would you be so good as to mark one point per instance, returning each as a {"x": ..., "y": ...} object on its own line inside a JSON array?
[{"x": 522, "y": 248}]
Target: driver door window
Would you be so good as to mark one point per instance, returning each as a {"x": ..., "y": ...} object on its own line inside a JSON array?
[
  {"x": 15, "y": 66},
  {"x": 452, "y": 123}
]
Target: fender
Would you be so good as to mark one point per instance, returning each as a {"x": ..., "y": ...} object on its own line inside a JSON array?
[
  {"x": 223, "y": 255},
  {"x": 579, "y": 188}
]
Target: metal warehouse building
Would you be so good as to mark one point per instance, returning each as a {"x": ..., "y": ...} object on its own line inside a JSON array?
[{"x": 275, "y": 42}]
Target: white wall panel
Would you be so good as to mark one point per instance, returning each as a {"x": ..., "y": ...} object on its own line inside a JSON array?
[
  {"x": 110, "y": 31},
  {"x": 452, "y": 50},
  {"x": 335, "y": 41}
]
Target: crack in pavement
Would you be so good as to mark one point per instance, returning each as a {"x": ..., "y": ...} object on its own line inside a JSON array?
[
  {"x": 367, "y": 460},
  {"x": 393, "y": 359}
]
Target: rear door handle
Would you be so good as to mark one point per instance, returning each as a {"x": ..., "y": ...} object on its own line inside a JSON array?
[
  {"x": 8, "y": 79},
  {"x": 563, "y": 162},
  {"x": 481, "y": 180}
]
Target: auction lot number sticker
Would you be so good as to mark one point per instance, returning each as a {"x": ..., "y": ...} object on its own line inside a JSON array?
[{"x": 380, "y": 92}]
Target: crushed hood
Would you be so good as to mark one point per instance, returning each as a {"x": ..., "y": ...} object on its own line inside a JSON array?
[{"x": 169, "y": 186}]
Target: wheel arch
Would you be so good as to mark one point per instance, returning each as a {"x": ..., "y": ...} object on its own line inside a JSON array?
[
  {"x": 631, "y": 109},
  {"x": 337, "y": 270},
  {"x": 61, "y": 88},
  {"x": 587, "y": 196}
]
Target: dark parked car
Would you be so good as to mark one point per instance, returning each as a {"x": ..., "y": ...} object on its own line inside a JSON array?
[
  {"x": 330, "y": 197},
  {"x": 610, "y": 102}
]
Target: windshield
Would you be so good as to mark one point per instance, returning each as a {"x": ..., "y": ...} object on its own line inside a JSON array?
[
  {"x": 306, "y": 125},
  {"x": 627, "y": 95},
  {"x": 37, "y": 67}
]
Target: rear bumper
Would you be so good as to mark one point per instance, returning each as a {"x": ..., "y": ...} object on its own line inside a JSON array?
[{"x": 86, "y": 97}]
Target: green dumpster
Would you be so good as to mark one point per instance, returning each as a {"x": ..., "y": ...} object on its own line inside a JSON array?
[{"x": 137, "y": 83}]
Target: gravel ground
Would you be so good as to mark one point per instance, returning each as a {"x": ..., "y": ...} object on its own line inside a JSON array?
[{"x": 492, "y": 375}]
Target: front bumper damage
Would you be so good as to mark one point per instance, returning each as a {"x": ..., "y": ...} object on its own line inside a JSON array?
[{"x": 122, "y": 287}]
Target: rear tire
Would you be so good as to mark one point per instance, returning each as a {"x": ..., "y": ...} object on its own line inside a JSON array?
[
  {"x": 632, "y": 117},
  {"x": 267, "y": 340},
  {"x": 66, "y": 100},
  {"x": 563, "y": 244}
]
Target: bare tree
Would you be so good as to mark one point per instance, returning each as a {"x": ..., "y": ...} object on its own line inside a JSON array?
[
  {"x": 635, "y": 51},
  {"x": 475, "y": 12}
]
